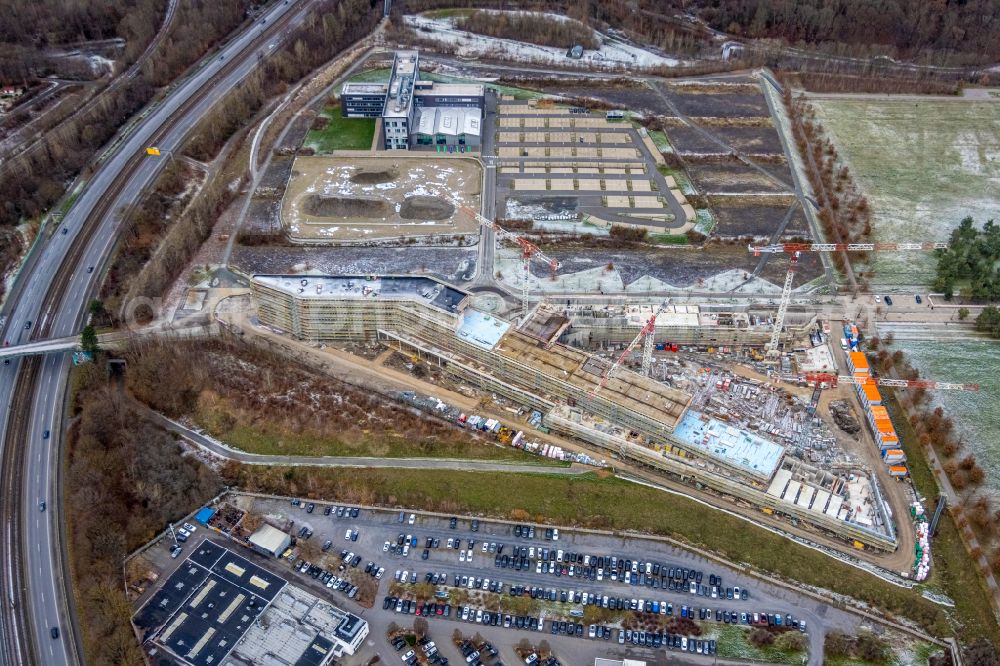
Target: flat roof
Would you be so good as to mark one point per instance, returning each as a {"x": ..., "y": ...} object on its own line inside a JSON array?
[
  {"x": 728, "y": 443},
  {"x": 672, "y": 315},
  {"x": 270, "y": 538},
  {"x": 871, "y": 393},
  {"x": 481, "y": 329},
  {"x": 362, "y": 88},
  {"x": 452, "y": 89},
  {"x": 208, "y": 604},
  {"x": 404, "y": 76},
  {"x": 858, "y": 361},
  {"x": 631, "y": 390},
  {"x": 425, "y": 290}
]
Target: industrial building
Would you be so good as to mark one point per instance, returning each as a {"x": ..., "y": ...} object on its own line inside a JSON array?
[
  {"x": 417, "y": 112},
  {"x": 271, "y": 541},
  {"x": 217, "y": 607},
  {"x": 627, "y": 414}
]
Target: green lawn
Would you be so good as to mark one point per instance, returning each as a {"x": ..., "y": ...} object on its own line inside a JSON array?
[
  {"x": 668, "y": 239},
  {"x": 272, "y": 439},
  {"x": 599, "y": 501},
  {"x": 684, "y": 183},
  {"x": 341, "y": 133}
]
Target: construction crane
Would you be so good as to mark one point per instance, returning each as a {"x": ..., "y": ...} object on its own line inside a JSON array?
[
  {"x": 647, "y": 334},
  {"x": 529, "y": 250},
  {"x": 790, "y": 248},
  {"x": 832, "y": 380},
  {"x": 795, "y": 249}
]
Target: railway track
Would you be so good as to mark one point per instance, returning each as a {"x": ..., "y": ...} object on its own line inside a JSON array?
[
  {"x": 15, "y": 623},
  {"x": 16, "y": 632}
]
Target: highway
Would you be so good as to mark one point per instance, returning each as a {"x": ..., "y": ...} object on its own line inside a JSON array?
[{"x": 41, "y": 305}]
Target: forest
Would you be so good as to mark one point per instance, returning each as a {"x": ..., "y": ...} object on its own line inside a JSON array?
[
  {"x": 912, "y": 29},
  {"x": 971, "y": 263},
  {"x": 530, "y": 28}
]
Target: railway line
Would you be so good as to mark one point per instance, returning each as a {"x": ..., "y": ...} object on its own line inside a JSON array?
[{"x": 31, "y": 390}]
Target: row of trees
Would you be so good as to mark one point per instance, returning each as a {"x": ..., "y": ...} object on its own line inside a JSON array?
[
  {"x": 988, "y": 321},
  {"x": 125, "y": 480},
  {"x": 844, "y": 213},
  {"x": 972, "y": 260},
  {"x": 531, "y": 28}
]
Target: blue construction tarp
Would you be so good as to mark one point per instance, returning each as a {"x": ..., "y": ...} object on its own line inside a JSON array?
[{"x": 204, "y": 515}]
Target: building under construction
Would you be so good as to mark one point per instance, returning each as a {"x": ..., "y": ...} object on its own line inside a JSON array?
[{"x": 622, "y": 413}]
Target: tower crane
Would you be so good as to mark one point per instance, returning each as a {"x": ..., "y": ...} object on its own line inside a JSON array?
[
  {"x": 529, "y": 250},
  {"x": 795, "y": 249},
  {"x": 647, "y": 334},
  {"x": 833, "y": 380}
]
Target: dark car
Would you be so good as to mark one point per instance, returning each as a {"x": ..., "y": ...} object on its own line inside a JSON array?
[
  {"x": 451, "y": 523},
  {"x": 919, "y": 300},
  {"x": 45, "y": 435},
  {"x": 310, "y": 507},
  {"x": 54, "y": 631},
  {"x": 888, "y": 300}
]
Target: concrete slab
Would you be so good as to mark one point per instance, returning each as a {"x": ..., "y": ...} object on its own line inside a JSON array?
[
  {"x": 617, "y": 201},
  {"x": 615, "y": 171},
  {"x": 649, "y": 202},
  {"x": 562, "y": 184},
  {"x": 590, "y": 184},
  {"x": 522, "y": 184},
  {"x": 509, "y": 151},
  {"x": 613, "y": 185},
  {"x": 640, "y": 185},
  {"x": 620, "y": 152}
]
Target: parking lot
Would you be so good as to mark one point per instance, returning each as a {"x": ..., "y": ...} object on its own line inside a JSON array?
[{"x": 542, "y": 582}]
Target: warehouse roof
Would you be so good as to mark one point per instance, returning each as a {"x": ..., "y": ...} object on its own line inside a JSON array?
[
  {"x": 269, "y": 538},
  {"x": 451, "y": 121},
  {"x": 425, "y": 290}
]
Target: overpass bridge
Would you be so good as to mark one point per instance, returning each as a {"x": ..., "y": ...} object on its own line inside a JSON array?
[{"x": 112, "y": 339}]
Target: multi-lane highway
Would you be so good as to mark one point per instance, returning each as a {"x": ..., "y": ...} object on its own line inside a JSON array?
[{"x": 49, "y": 300}]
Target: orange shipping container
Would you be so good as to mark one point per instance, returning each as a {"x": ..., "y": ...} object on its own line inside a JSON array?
[
  {"x": 859, "y": 363},
  {"x": 871, "y": 394}
]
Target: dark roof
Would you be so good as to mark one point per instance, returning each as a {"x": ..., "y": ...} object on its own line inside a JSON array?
[
  {"x": 316, "y": 653},
  {"x": 206, "y": 606}
]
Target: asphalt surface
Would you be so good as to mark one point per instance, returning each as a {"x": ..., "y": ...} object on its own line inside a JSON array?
[
  {"x": 46, "y": 592},
  {"x": 375, "y": 527}
]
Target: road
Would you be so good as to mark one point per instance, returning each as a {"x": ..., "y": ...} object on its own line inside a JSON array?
[
  {"x": 46, "y": 595},
  {"x": 219, "y": 449}
]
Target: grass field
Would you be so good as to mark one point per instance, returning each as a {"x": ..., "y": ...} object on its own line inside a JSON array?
[
  {"x": 924, "y": 165},
  {"x": 268, "y": 438},
  {"x": 594, "y": 500},
  {"x": 953, "y": 570},
  {"x": 341, "y": 133},
  {"x": 732, "y": 643}
]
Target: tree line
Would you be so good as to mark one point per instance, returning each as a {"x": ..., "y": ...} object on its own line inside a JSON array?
[{"x": 972, "y": 260}]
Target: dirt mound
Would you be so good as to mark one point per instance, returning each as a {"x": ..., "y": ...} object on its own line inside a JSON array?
[
  {"x": 362, "y": 177},
  {"x": 319, "y": 206},
  {"x": 420, "y": 207},
  {"x": 842, "y": 416}
]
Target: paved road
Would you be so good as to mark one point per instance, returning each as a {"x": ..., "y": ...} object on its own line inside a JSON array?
[
  {"x": 218, "y": 448},
  {"x": 46, "y": 594}
]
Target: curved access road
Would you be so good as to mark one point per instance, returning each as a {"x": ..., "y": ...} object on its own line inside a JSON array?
[
  {"x": 219, "y": 449},
  {"x": 34, "y": 589}
]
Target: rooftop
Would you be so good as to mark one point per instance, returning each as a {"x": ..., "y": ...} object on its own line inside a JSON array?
[
  {"x": 269, "y": 538},
  {"x": 448, "y": 120},
  {"x": 729, "y": 444},
  {"x": 451, "y": 89},
  {"x": 481, "y": 329},
  {"x": 628, "y": 389},
  {"x": 404, "y": 76},
  {"x": 362, "y": 88},
  {"x": 424, "y": 290}
]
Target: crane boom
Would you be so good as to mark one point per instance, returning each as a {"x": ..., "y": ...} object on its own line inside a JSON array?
[
  {"x": 831, "y": 379},
  {"x": 790, "y": 248},
  {"x": 529, "y": 250},
  {"x": 779, "y": 319},
  {"x": 647, "y": 333}
]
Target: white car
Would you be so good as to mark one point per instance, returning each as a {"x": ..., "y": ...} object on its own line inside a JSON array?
[
  {"x": 451, "y": 543},
  {"x": 380, "y": 573},
  {"x": 413, "y": 519},
  {"x": 347, "y": 535},
  {"x": 385, "y": 547},
  {"x": 555, "y": 534},
  {"x": 465, "y": 613},
  {"x": 468, "y": 555},
  {"x": 878, "y": 299},
  {"x": 486, "y": 547},
  {"x": 461, "y": 556},
  {"x": 406, "y": 550},
  {"x": 409, "y": 654},
  {"x": 486, "y": 583},
  {"x": 190, "y": 528},
  {"x": 538, "y": 567}
]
